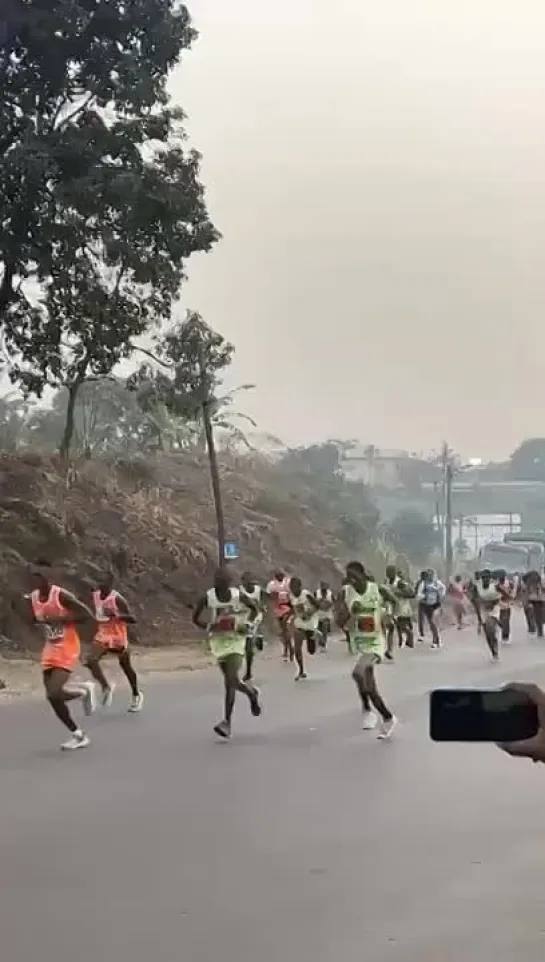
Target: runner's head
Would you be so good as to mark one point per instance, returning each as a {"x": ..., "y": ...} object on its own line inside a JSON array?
[
  {"x": 296, "y": 586},
  {"x": 486, "y": 577},
  {"x": 279, "y": 575},
  {"x": 222, "y": 579},
  {"x": 458, "y": 579},
  {"x": 106, "y": 582},
  {"x": 356, "y": 574},
  {"x": 248, "y": 581},
  {"x": 391, "y": 572},
  {"x": 39, "y": 574}
]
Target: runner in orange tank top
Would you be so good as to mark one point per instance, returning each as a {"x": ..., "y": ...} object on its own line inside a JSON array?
[
  {"x": 113, "y": 616},
  {"x": 57, "y": 613},
  {"x": 278, "y": 592}
]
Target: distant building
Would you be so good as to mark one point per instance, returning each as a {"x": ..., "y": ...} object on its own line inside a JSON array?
[{"x": 385, "y": 467}]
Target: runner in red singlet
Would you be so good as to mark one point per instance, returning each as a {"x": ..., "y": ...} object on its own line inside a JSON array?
[
  {"x": 113, "y": 616},
  {"x": 57, "y": 613},
  {"x": 278, "y": 591}
]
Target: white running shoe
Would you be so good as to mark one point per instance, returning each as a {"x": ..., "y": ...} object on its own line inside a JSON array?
[
  {"x": 89, "y": 697},
  {"x": 387, "y": 727},
  {"x": 78, "y": 740},
  {"x": 108, "y": 696},
  {"x": 369, "y": 721},
  {"x": 137, "y": 703}
]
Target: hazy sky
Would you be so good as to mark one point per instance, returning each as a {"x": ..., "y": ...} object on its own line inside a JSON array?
[{"x": 378, "y": 172}]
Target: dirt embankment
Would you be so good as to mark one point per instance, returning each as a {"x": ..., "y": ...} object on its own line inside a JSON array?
[{"x": 153, "y": 521}]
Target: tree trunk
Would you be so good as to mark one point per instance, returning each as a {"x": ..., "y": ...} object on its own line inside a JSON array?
[
  {"x": 215, "y": 479},
  {"x": 69, "y": 424}
]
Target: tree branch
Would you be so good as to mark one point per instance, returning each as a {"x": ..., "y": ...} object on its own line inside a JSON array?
[{"x": 157, "y": 360}]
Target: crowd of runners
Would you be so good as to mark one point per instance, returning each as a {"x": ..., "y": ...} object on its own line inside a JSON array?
[{"x": 376, "y": 619}]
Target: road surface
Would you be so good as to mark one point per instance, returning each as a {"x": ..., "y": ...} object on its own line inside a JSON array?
[{"x": 303, "y": 838}]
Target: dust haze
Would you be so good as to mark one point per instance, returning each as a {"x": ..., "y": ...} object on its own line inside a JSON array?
[{"x": 377, "y": 172}]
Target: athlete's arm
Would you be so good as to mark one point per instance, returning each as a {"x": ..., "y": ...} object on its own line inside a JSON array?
[
  {"x": 342, "y": 614},
  {"x": 201, "y": 606},
  {"x": 387, "y": 595},
  {"x": 251, "y": 604},
  {"x": 314, "y": 603},
  {"x": 125, "y": 613},
  {"x": 76, "y": 608}
]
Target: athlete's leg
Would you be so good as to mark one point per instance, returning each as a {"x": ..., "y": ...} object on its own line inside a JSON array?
[
  {"x": 405, "y": 625},
  {"x": 57, "y": 695},
  {"x": 286, "y": 638},
  {"x": 95, "y": 656},
  {"x": 390, "y": 634},
  {"x": 358, "y": 675},
  {"x": 298, "y": 639},
  {"x": 491, "y": 629},
  {"x": 249, "y": 657},
  {"x": 230, "y": 668},
  {"x": 125, "y": 663}
]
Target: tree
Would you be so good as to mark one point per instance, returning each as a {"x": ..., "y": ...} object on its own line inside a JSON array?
[
  {"x": 527, "y": 462},
  {"x": 101, "y": 202},
  {"x": 193, "y": 359},
  {"x": 413, "y": 534}
]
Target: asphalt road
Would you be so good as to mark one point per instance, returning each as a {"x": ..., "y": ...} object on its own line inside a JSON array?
[{"x": 303, "y": 838}]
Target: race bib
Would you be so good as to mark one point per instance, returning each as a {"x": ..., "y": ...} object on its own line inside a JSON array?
[
  {"x": 226, "y": 624},
  {"x": 366, "y": 624},
  {"x": 53, "y": 633}
]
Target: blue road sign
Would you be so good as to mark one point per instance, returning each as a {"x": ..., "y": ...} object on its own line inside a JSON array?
[{"x": 230, "y": 551}]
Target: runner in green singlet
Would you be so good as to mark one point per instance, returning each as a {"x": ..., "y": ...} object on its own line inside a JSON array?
[
  {"x": 362, "y": 616},
  {"x": 228, "y": 616}
]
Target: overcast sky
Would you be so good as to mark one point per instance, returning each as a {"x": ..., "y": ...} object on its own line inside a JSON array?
[{"x": 378, "y": 172}]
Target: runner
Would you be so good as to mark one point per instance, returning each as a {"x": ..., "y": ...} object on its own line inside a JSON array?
[
  {"x": 430, "y": 594},
  {"x": 226, "y": 627},
  {"x": 278, "y": 591},
  {"x": 389, "y": 610},
  {"x": 474, "y": 598},
  {"x": 254, "y": 623},
  {"x": 535, "y": 601},
  {"x": 508, "y": 589},
  {"x": 404, "y": 621},
  {"x": 397, "y": 594},
  {"x": 489, "y": 599},
  {"x": 58, "y": 612},
  {"x": 362, "y": 615},
  {"x": 304, "y": 616},
  {"x": 112, "y": 638},
  {"x": 420, "y": 607},
  {"x": 324, "y": 597},
  {"x": 458, "y": 594},
  {"x": 339, "y": 615}
]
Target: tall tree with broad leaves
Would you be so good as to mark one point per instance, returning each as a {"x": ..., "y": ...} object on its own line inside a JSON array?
[
  {"x": 100, "y": 199},
  {"x": 193, "y": 360}
]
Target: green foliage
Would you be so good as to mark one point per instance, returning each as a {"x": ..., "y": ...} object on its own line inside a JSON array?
[
  {"x": 101, "y": 201},
  {"x": 527, "y": 463},
  {"x": 351, "y": 501},
  {"x": 413, "y": 534},
  {"x": 191, "y": 360}
]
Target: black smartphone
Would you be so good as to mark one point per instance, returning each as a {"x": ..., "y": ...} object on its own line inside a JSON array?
[{"x": 481, "y": 715}]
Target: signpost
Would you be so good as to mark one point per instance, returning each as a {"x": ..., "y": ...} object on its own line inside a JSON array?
[{"x": 230, "y": 551}]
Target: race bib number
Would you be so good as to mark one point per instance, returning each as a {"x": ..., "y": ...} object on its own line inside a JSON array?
[
  {"x": 53, "y": 633},
  {"x": 226, "y": 624},
  {"x": 366, "y": 624}
]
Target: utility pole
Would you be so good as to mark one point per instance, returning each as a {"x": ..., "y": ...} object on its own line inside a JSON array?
[{"x": 448, "y": 474}]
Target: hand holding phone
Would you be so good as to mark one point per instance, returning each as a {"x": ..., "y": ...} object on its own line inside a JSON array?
[
  {"x": 533, "y": 748},
  {"x": 508, "y": 716}
]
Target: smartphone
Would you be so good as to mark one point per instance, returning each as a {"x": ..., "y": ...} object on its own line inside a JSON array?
[{"x": 481, "y": 715}]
